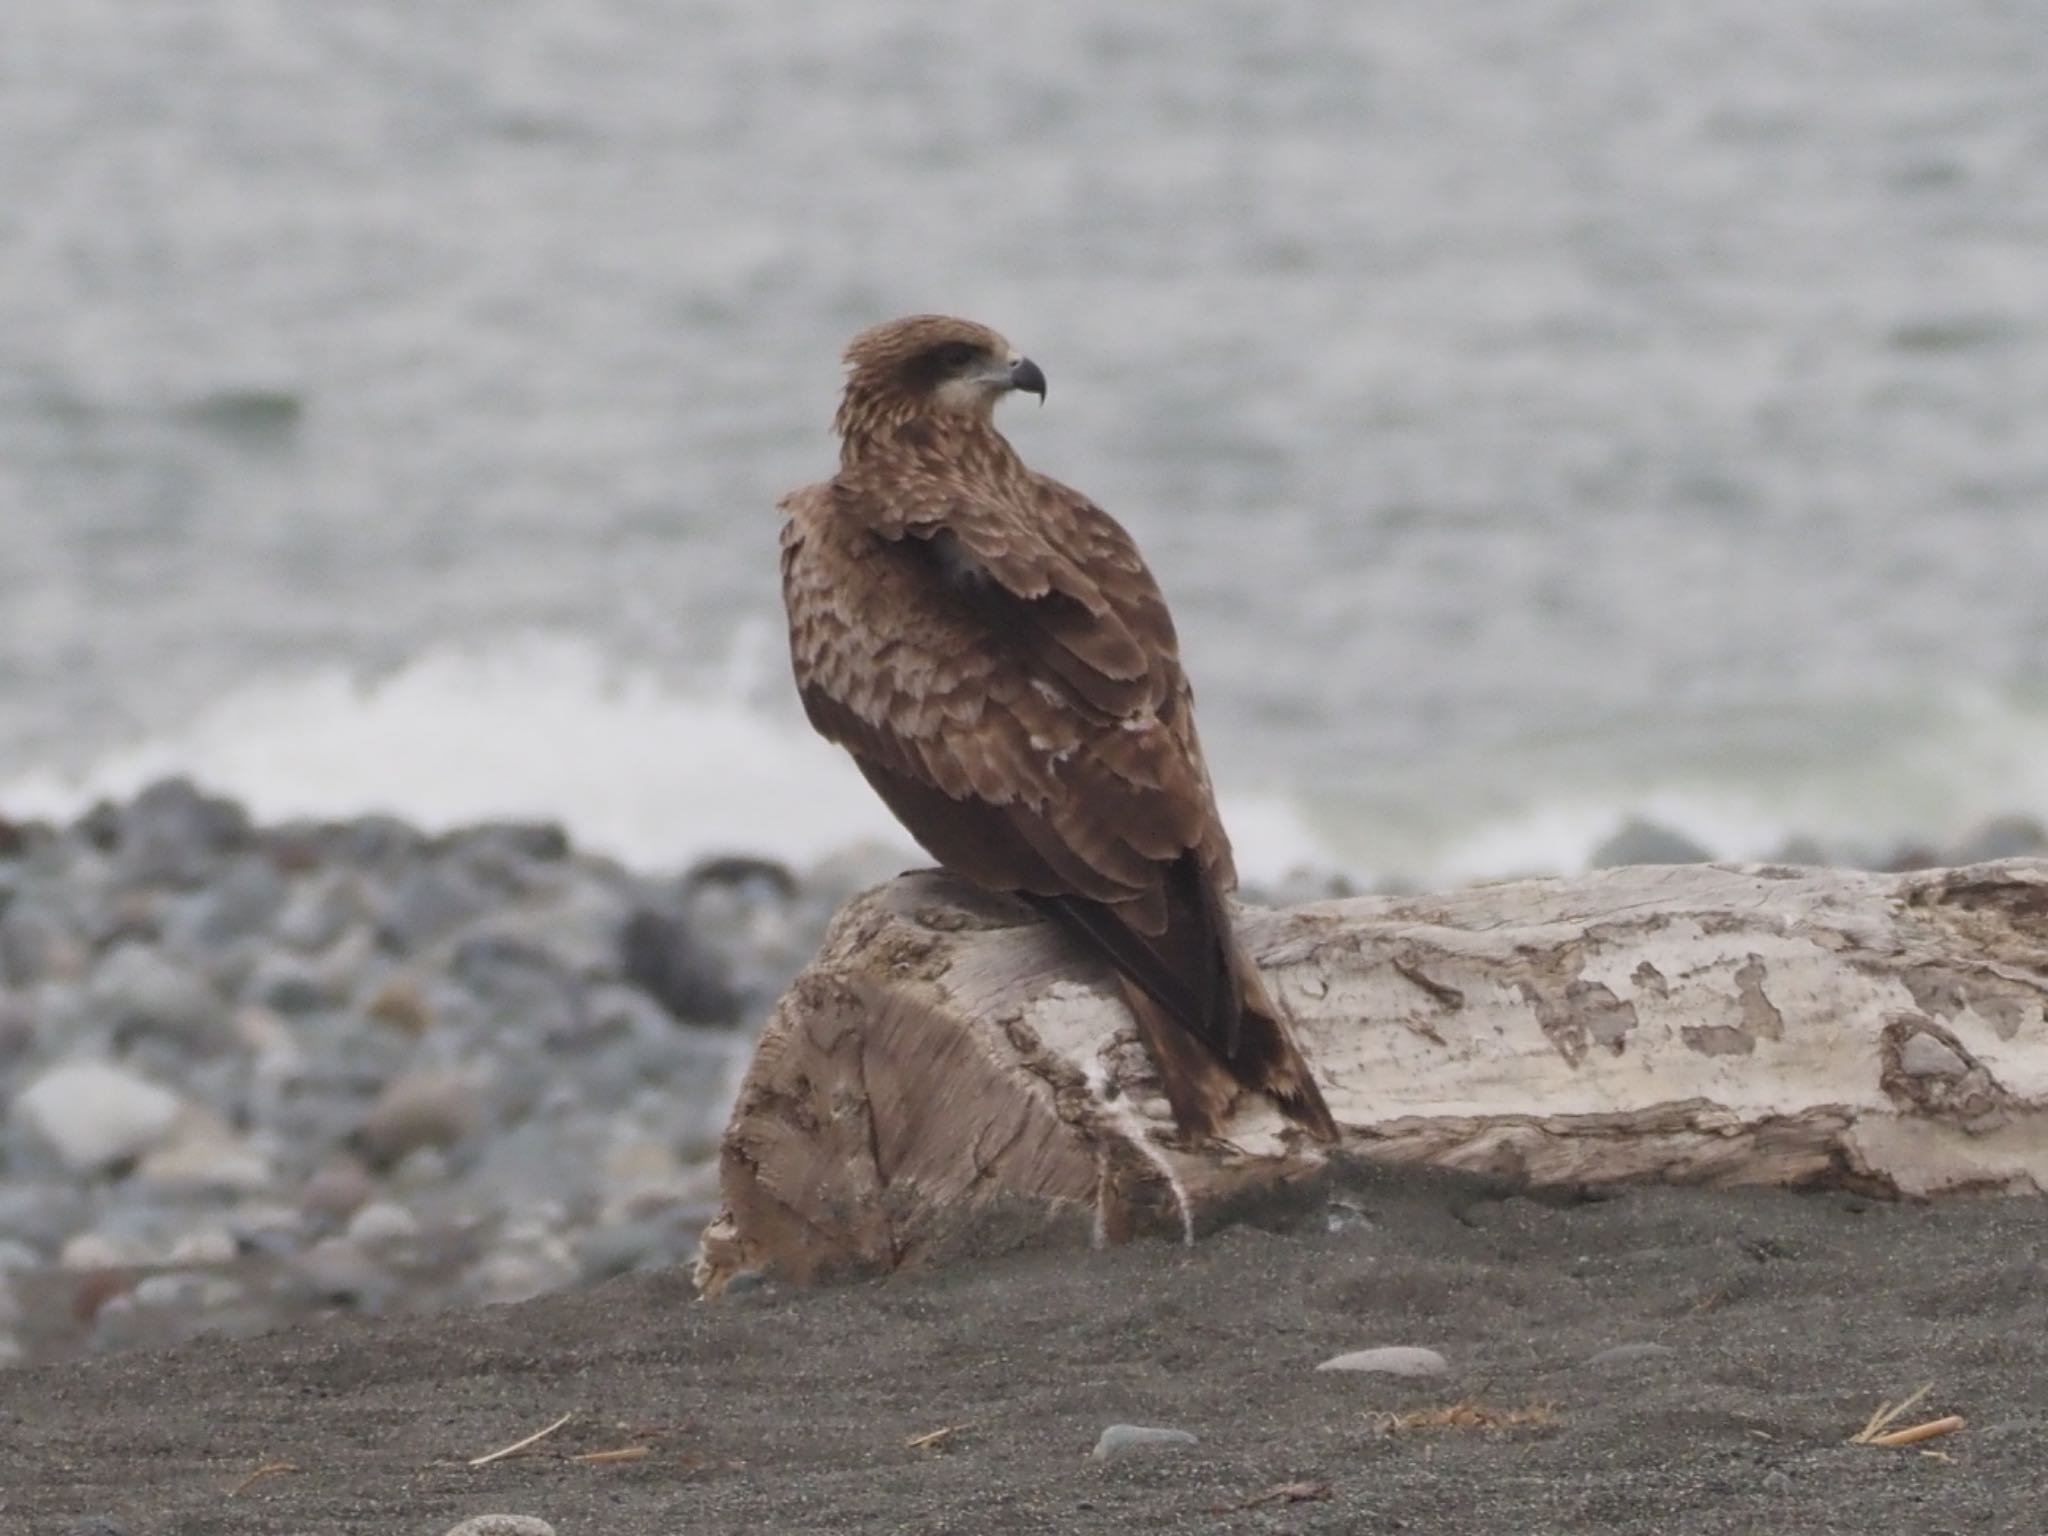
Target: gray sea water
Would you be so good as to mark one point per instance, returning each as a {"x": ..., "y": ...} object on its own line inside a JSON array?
[{"x": 1534, "y": 412}]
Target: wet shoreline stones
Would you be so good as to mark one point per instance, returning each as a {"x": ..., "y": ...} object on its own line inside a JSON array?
[{"x": 252, "y": 1073}]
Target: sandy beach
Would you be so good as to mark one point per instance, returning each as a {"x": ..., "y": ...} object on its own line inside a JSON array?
[{"x": 1780, "y": 1322}]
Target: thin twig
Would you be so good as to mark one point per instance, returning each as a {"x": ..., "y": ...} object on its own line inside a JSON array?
[
  {"x": 268, "y": 1469},
  {"x": 623, "y": 1453},
  {"x": 519, "y": 1445},
  {"x": 935, "y": 1437},
  {"x": 1886, "y": 1415},
  {"x": 1931, "y": 1430}
]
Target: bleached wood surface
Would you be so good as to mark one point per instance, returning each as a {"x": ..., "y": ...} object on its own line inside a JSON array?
[{"x": 950, "y": 1075}]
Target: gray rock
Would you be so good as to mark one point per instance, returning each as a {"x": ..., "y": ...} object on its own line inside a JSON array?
[
  {"x": 138, "y": 989},
  {"x": 17, "y": 1026},
  {"x": 96, "y": 1115},
  {"x": 1638, "y": 841},
  {"x": 624, "y": 1246},
  {"x": 321, "y": 908},
  {"x": 1778, "y": 1481},
  {"x": 502, "y": 1525},
  {"x": 16, "y": 1256},
  {"x": 430, "y": 900},
  {"x": 289, "y": 984},
  {"x": 519, "y": 986},
  {"x": 420, "y": 1109},
  {"x": 378, "y": 842},
  {"x": 176, "y": 1289},
  {"x": 1621, "y": 1355},
  {"x": 337, "y": 1191},
  {"x": 42, "y": 938},
  {"x": 1121, "y": 1439},
  {"x": 1393, "y": 1360},
  {"x": 2002, "y": 837},
  {"x": 41, "y": 1215},
  {"x": 172, "y": 834},
  {"x": 240, "y": 903},
  {"x": 339, "y": 1273},
  {"x": 524, "y": 1272},
  {"x": 658, "y": 954},
  {"x": 11, "y": 1352}
]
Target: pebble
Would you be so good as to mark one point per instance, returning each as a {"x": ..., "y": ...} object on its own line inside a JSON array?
[
  {"x": 520, "y": 1274},
  {"x": 139, "y": 989},
  {"x": 659, "y": 955},
  {"x": 173, "y": 834},
  {"x": 1393, "y": 1360},
  {"x": 95, "y": 1114},
  {"x": 421, "y": 1109},
  {"x": 338, "y": 1272},
  {"x": 382, "y": 1222},
  {"x": 1630, "y": 1354},
  {"x": 502, "y": 1525},
  {"x": 1645, "y": 842},
  {"x": 337, "y": 1191},
  {"x": 1121, "y": 1438}
]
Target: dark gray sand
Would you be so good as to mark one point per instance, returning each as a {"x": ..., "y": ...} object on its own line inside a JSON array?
[{"x": 1789, "y": 1317}]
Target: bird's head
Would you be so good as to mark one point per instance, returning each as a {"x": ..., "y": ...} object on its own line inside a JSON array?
[{"x": 929, "y": 365}]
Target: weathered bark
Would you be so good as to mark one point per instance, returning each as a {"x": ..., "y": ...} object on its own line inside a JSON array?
[{"x": 950, "y": 1074}]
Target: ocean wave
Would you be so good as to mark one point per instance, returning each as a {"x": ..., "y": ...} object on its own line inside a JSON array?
[
  {"x": 631, "y": 762},
  {"x": 659, "y": 771}
]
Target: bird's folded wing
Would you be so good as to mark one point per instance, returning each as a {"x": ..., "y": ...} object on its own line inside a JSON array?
[{"x": 1019, "y": 703}]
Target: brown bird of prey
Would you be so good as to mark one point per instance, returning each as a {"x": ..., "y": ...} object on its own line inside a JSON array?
[{"x": 990, "y": 647}]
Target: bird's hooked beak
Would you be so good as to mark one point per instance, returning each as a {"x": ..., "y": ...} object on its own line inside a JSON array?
[{"x": 1027, "y": 375}]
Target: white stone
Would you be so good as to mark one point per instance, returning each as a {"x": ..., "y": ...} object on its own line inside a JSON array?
[
  {"x": 1394, "y": 1360},
  {"x": 89, "y": 1250},
  {"x": 381, "y": 1222},
  {"x": 208, "y": 1245},
  {"x": 502, "y": 1525},
  {"x": 1119, "y": 1438},
  {"x": 95, "y": 1114}
]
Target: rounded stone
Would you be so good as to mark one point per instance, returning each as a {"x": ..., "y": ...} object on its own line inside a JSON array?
[
  {"x": 421, "y": 1109},
  {"x": 502, "y": 1525},
  {"x": 1120, "y": 1439},
  {"x": 1393, "y": 1360},
  {"x": 1630, "y": 1354},
  {"x": 96, "y": 1115},
  {"x": 337, "y": 1191},
  {"x": 382, "y": 1222}
]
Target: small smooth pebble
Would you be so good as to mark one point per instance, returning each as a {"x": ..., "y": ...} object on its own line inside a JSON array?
[
  {"x": 1778, "y": 1481},
  {"x": 1630, "y": 1354},
  {"x": 381, "y": 1222},
  {"x": 89, "y": 1250},
  {"x": 1394, "y": 1360},
  {"x": 95, "y": 1114},
  {"x": 502, "y": 1525},
  {"x": 1119, "y": 1438}
]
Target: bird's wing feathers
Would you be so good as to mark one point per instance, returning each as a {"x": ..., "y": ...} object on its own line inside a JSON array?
[{"x": 1024, "y": 669}]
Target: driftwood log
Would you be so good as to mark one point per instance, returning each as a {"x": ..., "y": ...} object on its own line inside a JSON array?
[{"x": 950, "y": 1075}]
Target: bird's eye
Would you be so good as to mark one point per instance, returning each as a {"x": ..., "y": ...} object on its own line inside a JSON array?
[{"x": 952, "y": 356}]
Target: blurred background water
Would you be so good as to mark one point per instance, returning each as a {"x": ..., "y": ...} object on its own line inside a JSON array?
[{"x": 1536, "y": 414}]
